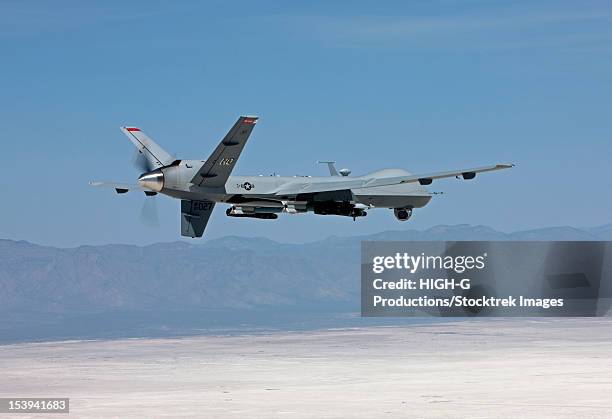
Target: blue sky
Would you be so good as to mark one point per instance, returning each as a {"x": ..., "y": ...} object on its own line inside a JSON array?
[{"x": 420, "y": 85}]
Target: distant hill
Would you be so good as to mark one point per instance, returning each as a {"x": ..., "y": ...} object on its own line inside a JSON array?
[{"x": 101, "y": 290}]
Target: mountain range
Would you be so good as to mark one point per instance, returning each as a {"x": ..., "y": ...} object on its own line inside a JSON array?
[{"x": 180, "y": 287}]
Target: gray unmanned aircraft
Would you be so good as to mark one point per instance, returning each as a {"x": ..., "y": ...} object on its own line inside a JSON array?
[{"x": 200, "y": 184}]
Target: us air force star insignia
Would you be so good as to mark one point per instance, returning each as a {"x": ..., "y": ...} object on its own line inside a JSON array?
[{"x": 247, "y": 186}]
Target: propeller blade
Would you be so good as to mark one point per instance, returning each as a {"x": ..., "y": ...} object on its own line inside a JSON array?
[
  {"x": 140, "y": 162},
  {"x": 149, "y": 213}
]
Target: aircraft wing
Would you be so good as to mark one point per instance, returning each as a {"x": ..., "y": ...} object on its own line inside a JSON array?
[
  {"x": 218, "y": 167},
  {"x": 365, "y": 182},
  {"x": 119, "y": 187}
]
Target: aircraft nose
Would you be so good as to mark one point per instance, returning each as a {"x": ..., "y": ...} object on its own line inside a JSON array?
[{"x": 152, "y": 180}]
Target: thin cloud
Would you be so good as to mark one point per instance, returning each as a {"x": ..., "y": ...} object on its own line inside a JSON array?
[
  {"x": 502, "y": 30},
  {"x": 22, "y": 18}
]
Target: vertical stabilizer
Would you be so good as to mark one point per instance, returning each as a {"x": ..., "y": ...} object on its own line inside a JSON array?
[{"x": 155, "y": 155}]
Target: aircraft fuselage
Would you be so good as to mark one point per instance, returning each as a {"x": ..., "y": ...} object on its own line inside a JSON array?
[{"x": 253, "y": 188}]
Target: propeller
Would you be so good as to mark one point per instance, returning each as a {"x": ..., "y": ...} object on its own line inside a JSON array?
[
  {"x": 149, "y": 214},
  {"x": 140, "y": 162}
]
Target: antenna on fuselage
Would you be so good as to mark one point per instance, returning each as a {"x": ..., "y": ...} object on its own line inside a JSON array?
[{"x": 331, "y": 167}]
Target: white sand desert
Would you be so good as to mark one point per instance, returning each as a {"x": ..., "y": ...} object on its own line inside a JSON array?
[{"x": 491, "y": 368}]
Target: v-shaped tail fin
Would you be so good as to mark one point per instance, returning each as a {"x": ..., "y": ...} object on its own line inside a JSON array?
[{"x": 153, "y": 153}]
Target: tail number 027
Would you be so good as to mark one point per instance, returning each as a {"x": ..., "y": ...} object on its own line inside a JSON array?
[{"x": 201, "y": 206}]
